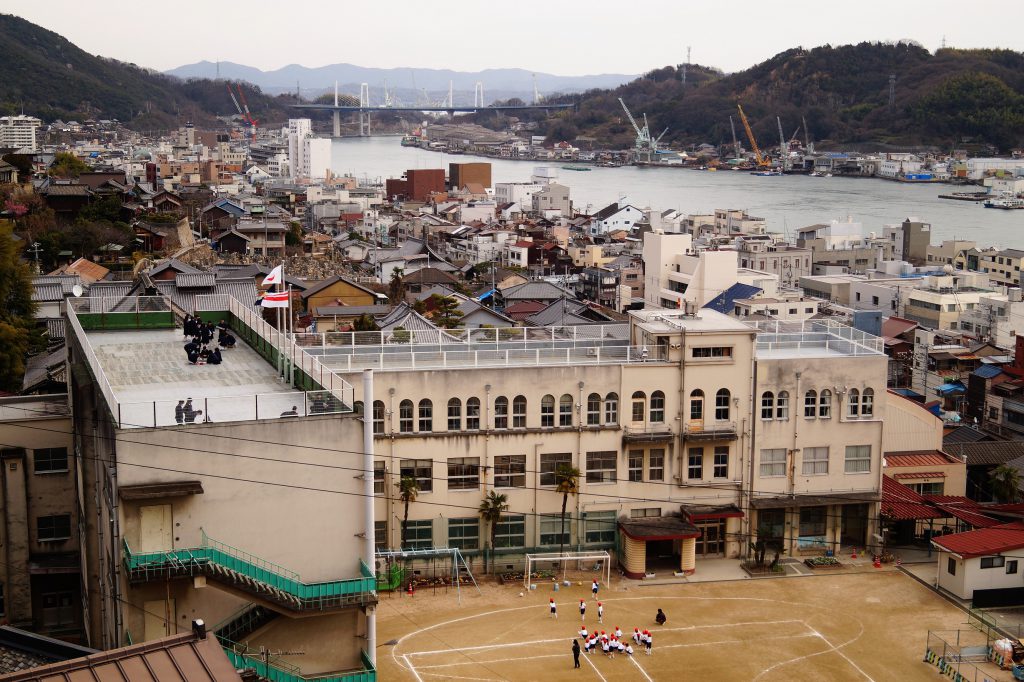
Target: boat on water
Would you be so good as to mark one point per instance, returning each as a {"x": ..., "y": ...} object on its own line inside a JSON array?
[
  {"x": 410, "y": 141},
  {"x": 766, "y": 173},
  {"x": 575, "y": 168},
  {"x": 1005, "y": 202}
]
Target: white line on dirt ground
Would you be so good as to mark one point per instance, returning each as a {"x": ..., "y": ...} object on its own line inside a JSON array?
[
  {"x": 412, "y": 668},
  {"x": 434, "y": 666},
  {"x": 835, "y": 648},
  {"x": 591, "y": 664},
  {"x": 640, "y": 668}
]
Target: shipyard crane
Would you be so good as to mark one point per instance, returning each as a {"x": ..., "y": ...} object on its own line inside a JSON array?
[
  {"x": 645, "y": 146},
  {"x": 735, "y": 142},
  {"x": 758, "y": 158},
  {"x": 807, "y": 136}
]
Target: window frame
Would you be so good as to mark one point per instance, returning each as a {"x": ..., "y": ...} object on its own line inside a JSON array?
[
  {"x": 656, "y": 464},
  {"x": 465, "y": 475},
  {"x": 772, "y": 463},
  {"x": 425, "y": 416},
  {"x": 782, "y": 406},
  {"x": 767, "y": 406},
  {"x": 508, "y": 528},
  {"x": 656, "y": 407},
  {"x": 604, "y": 533},
  {"x": 421, "y": 470},
  {"x": 565, "y": 405},
  {"x": 415, "y": 537},
  {"x": 501, "y": 412},
  {"x": 56, "y": 465},
  {"x": 809, "y": 466},
  {"x": 825, "y": 404},
  {"x": 454, "y": 415},
  {"x": 546, "y": 537},
  {"x": 997, "y": 561},
  {"x": 810, "y": 404},
  {"x": 594, "y": 409},
  {"x": 720, "y": 462},
  {"x": 635, "y": 466},
  {"x": 853, "y": 404},
  {"x": 697, "y": 405},
  {"x": 519, "y": 406},
  {"x": 473, "y": 414},
  {"x": 602, "y": 466},
  {"x": 510, "y": 471},
  {"x": 723, "y": 405},
  {"x": 695, "y": 463},
  {"x": 379, "y": 415},
  {"x": 638, "y": 407},
  {"x": 461, "y": 540},
  {"x": 379, "y": 472},
  {"x": 611, "y": 409},
  {"x": 549, "y": 462},
  {"x": 547, "y": 412},
  {"x": 51, "y": 528},
  {"x": 867, "y": 402},
  {"x": 848, "y": 460}
]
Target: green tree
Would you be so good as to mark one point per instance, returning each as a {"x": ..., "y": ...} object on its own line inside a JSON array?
[
  {"x": 293, "y": 237},
  {"x": 446, "y": 311},
  {"x": 1005, "y": 482},
  {"x": 67, "y": 165},
  {"x": 401, "y": 335},
  {"x": 364, "y": 323},
  {"x": 407, "y": 492},
  {"x": 396, "y": 287},
  {"x": 491, "y": 508},
  {"x": 567, "y": 482},
  {"x": 17, "y": 312}
]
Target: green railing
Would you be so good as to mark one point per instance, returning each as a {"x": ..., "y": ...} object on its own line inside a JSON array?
[
  {"x": 275, "y": 669},
  {"x": 196, "y": 559}
]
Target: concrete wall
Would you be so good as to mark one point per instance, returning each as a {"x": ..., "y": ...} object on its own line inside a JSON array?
[{"x": 970, "y": 576}]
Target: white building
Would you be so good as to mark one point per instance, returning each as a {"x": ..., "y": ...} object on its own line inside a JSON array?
[
  {"x": 979, "y": 168},
  {"x": 983, "y": 559},
  {"x": 316, "y": 157},
  {"x": 19, "y": 132},
  {"x": 517, "y": 192},
  {"x": 615, "y": 217}
]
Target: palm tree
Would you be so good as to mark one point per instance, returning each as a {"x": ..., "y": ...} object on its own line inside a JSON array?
[
  {"x": 1005, "y": 482},
  {"x": 567, "y": 482},
  {"x": 491, "y": 509},
  {"x": 407, "y": 492}
]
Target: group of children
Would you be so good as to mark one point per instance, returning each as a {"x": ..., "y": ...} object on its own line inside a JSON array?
[
  {"x": 613, "y": 643},
  {"x": 201, "y": 334}
]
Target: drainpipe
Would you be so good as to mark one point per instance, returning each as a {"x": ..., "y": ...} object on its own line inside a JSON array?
[
  {"x": 368, "y": 502},
  {"x": 580, "y": 416},
  {"x": 797, "y": 415}
]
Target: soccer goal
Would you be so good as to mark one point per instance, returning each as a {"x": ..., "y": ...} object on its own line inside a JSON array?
[{"x": 597, "y": 564}]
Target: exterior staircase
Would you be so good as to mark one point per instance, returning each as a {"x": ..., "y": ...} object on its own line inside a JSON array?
[{"x": 239, "y": 570}]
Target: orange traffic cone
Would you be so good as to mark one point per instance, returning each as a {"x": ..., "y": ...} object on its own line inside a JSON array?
[
  {"x": 878, "y": 562},
  {"x": 854, "y": 555},
  {"x": 411, "y": 591}
]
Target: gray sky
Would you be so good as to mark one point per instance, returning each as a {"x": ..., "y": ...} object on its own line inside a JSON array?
[{"x": 565, "y": 37}]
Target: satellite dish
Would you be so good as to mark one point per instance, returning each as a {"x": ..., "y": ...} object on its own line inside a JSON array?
[{"x": 77, "y": 290}]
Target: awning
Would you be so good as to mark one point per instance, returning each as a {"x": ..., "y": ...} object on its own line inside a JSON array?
[
  {"x": 148, "y": 491},
  {"x": 705, "y": 512},
  {"x": 920, "y": 474},
  {"x": 810, "y": 500},
  {"x": 659, "y": 528},
  {"x": 972, "y": 518}
]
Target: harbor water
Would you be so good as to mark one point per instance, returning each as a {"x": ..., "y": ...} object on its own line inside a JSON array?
[{"x": 787, "y": 202}]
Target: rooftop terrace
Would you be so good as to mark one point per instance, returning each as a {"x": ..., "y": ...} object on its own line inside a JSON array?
[
  {"x": 134, "y": 349},
  {"x": 778, "y": 339}
]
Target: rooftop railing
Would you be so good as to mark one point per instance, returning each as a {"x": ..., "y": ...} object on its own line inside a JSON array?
[
  {"x": 815, "y": 336},
  {"x": 524, "y": 336}
]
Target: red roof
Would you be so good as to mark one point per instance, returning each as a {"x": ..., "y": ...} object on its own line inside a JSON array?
[
  {"x": 963, "y": 508},
  {"x": 922, "y": 458},
  {"x": 902, "y": 504},
  {"x": 920, "y": 474},
  {"x": 984, "y": 542}
]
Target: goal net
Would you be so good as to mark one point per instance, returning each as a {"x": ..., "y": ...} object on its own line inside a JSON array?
[{"x": 595, "y": 565}]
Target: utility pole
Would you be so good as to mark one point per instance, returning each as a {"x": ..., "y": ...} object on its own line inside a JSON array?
[{"x": 36, "y": 248}]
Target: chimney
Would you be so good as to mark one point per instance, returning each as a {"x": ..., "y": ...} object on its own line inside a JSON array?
[{"x": 199, "y": 628}]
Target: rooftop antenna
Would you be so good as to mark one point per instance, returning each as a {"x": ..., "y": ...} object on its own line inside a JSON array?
[{"x": 686, "y": 64}]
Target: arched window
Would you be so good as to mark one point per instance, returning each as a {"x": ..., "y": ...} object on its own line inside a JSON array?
[
  {"x": 658, "y": 407},
  {"x": 854, "y": 403},
  {"x": 519, "y": 412},
  {"x": 722, "y": 405},
  {"x": 547, "y": 411},
  {"x": 811, "y": 404},
  {"x": 378, "y": 416},
  {"x": 565, "y": 410},
  {"x": 501, "y": 412},
  {"x": 405, "y": 416},
  {"x": 867, "y": 402},
  {"x": 697, "y": 405},
  {"x": 473, "y": 414},
  {"x": 825, "y": 404},
  {"x": 611, "y": 408},
  {"x": 767, "y": 405},
  {"x": 639, "y": 406},
  {"x": 594, "y": 409},
  {"x": 426, "y": 416},
  {"x": 454, "y": 414},
  {"x": 782, "y": 405}
]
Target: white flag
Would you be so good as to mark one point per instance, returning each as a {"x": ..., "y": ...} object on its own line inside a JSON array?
[
  {"x": 276, "y": 299},
  {"x": 274, "y": 277}
]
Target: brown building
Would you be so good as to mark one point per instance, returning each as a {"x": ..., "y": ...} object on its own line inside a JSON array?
[
  {"x": 417, "y": 184},
  {"x": 40, "y": 582},
  {"x": 462, "y": 174}
]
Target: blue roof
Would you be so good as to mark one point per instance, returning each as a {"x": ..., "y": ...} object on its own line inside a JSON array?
[
  {"x": 486, "y": 294},
  {"x": 907, "y": 393},
  {"x": 988, "y": 371},
  {"x": 725, "y": 302},
  {"x": 952, "y": 387}
]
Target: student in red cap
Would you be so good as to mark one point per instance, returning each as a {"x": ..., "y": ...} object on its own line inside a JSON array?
[
  {"x": 554, "y": 608},
  {"x": 583, "y": 610}
]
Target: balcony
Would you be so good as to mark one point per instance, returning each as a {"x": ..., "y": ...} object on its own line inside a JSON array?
[
  {"x": 647, "y": 433},
  {"x": 709, "y": 431}
]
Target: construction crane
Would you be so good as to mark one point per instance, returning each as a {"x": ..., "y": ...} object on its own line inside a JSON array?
[
  {"x": 248, "y": 116},
  {"x": 235, "y": 100},
  {"x": 760, "y": 160},
  {"x": 735, "y": 143},
  {"x": 807, "y": 136},
  {"x": 645, "y": 146}
]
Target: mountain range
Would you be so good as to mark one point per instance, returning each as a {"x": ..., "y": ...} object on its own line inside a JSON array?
[{"x": 349, "y": 76}]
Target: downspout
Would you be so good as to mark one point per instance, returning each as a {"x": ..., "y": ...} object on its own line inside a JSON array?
[
  {"x": 580, "y": 416},
  {"x": 796, "y": 409},
  {"x": 368, "y": 503},
  {"x": 748, "y": 535}
]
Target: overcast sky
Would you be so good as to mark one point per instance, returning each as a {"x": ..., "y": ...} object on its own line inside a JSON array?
[{"x": 564, "y": 37}]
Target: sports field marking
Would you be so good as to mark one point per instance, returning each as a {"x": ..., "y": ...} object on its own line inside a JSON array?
[
  {"x": 498, "y": 660},
  {"x": 835, "y": 648},
  {"x": 412, "y": 668},
  {"x": 591, "y": 664},
  {"x": 831, "y": 648},
  {"x": 643, "y": 672}
]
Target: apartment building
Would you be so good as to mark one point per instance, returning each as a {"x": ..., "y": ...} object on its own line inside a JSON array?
[
  {"x": 840, "y": 247},
  {"x": 238, "y": 507},
  {"x": 938, "y": 301},
  {"x": 40, "y": 580},
  {"x": 19, "y": 132},
  {"x": 788, "y": 263},
  {"x": 1002, "y": 267}
]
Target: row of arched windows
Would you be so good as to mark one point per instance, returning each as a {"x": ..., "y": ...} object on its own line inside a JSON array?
[{"x": 818, "y": 405}]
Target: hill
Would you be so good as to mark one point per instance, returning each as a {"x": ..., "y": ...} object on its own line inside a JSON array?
[
  {"x": 47, "y": 76},
  {"x": 947, "y": 98}
]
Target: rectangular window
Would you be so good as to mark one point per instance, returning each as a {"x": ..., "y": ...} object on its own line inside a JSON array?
[
  {"x": 405, "y": 416},
  {"x": 378, "y": 477},
  {"x": 420, "y": 469},
  {"x": 656, "y": 465},
  {"x": 599, "y": 527},
  {"x": 378, "y": 417},
  {"x": 49, "y": 460},
  {"x": 464, "y": 533},
  {"x": 712, "y": 352},
  {"x": 951, "y": 566},
  {"x": 812, "y": 522},
  {"x": 815, "y": 461},
  {"x": 472, "y": 414},
  {"x": 721, "y": 467},
  {"x": 380, "y": 534},
  {"x": 547, "y": 413},
  {"x": 501, "y": 413},
  {"x": 594, "y": 410},
  {"x": 464, "y": 473},
  {"x": 645, "y": 513},
  {"x": 992, "y": 561},
  {"x": 935, "y": 488},
  {"x": 53, "y": 528},
  {"x": 510, "y": 531},
  {"x": 782, "y": 406},
  {"x": 636, "y": 465},
  {"x": 767, "y": 405},
  {"x": 549, "y": 464},
  {"x": 426, "y": 411},
  {"x": 454, "y": 416},
  {"x": 551, "y": 529},
  {"x": 519, "y": 413},
  {"x": 419, "y": 534},
  {"x": 858, "y": 459},
  {"x": 695, "y": 464},
  {"x": 565, "y": 413},
  {"x": 601, "y": 466},
  {"x": 1011, "y": 566},
  {"x": 611, "y": 409},
  {"x": 510, "y": 471},
  {"x": 773, "y": 462}
]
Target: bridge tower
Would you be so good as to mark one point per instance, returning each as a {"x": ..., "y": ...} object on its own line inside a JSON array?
[
  {"x": 364, "y": 110},
  {"x": 336, "y": 115},
  {"x": 478, "y": 94}
]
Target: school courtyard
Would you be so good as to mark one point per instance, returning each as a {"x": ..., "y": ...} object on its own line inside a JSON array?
[{"x": 855, "y": 626}]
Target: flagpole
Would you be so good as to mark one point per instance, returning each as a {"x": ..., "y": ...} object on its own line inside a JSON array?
[{"x": 280, "y": 348}]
